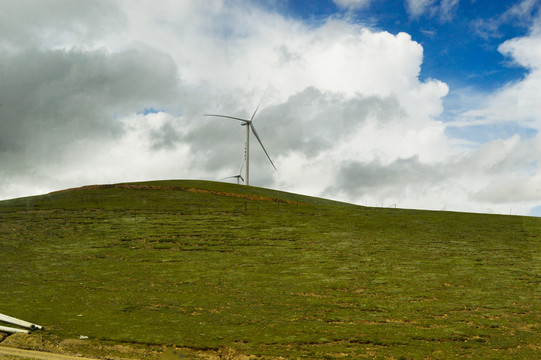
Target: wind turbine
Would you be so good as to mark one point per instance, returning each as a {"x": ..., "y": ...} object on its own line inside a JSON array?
[
  {"x": 239, "y": 176},
  {"x": 249, "y": 125}
]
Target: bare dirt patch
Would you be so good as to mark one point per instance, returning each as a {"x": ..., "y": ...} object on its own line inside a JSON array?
[
  {"x": 51, "y": 345},
  {"x": 76, "y": 347},
  {"x": 176, "y": 188}
]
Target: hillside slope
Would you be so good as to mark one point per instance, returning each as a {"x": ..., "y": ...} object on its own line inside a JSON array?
[{"x": 206, "y": 265}]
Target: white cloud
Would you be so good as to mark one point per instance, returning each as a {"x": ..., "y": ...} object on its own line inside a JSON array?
[
  {"x": 509, "y": 189},
  {"x": 509, "y": 169},
  {"x": 417, "y": 8},
  {"x": 516, "y": 102},
  {"x": 447, "y": 9},
  {"x": 526, "y": 51}
]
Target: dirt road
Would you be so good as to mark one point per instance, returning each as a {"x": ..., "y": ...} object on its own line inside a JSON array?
[{"x": 30, "y": 354}]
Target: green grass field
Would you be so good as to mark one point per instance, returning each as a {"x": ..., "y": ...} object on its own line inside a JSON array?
[{"x": 271, "y": 274}]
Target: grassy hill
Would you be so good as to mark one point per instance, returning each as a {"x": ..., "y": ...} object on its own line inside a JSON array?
[{"x": 206, "y": 265}]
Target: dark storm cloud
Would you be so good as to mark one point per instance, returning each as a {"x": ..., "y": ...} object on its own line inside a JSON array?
[
  {"x": 165, "y": 137},
  {"x": 360, "y": 179},
  {"x": 313, "y": 121},
  {"x": 32, "y": 23},
  {"x": 51, "y": 99}
]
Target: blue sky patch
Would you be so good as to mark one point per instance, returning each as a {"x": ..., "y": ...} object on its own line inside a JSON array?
[
  {"x": 486, "y": 133},
  {"x": 536, "y": 211},
  {"x": 150, "y": 110}
]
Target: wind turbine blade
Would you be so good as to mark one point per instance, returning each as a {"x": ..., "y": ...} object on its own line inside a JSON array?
[
  {"x": 233, "y": 177},
  {"x": 260, "y": 143},
  {"x": 258, "y": 105},
  {"x": 228, "y": 117}
]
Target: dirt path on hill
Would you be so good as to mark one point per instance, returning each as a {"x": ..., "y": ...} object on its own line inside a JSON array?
[
  {"x": 177, "y": 188},
  {"x": 40, "y": 355},
  {"x": 37, "y": 346},
  {"x": 47, "y": 347}
]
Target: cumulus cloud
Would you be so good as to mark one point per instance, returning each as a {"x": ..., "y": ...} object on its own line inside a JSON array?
[
  {"x": 524, "y": 51},
  {"x": 516, "y": 102}
]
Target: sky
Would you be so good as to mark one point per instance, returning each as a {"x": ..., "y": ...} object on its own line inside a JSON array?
[{"x": 425, "y": 104}]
